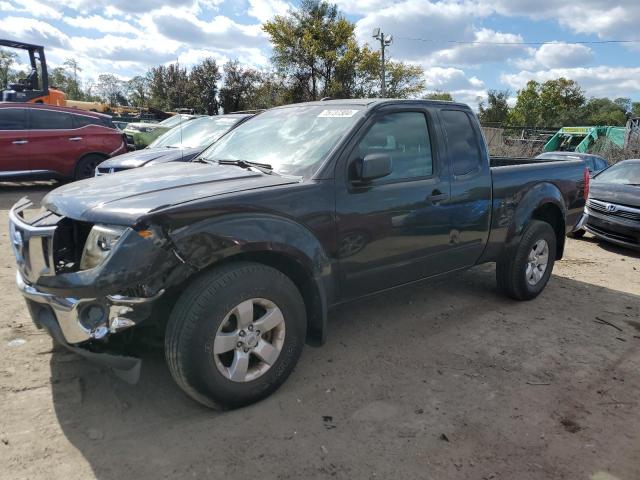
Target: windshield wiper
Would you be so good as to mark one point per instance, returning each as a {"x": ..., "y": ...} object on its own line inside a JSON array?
[{"x": 263, "y": 167}]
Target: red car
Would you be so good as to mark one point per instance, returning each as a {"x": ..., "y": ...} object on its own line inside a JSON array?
[{"x": 44, "y": 141}]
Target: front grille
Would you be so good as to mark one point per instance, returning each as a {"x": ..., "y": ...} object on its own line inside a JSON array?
[
  {"x": 32, "y": 240},
  {"x": 44, "y": 243},
  {"x": 108, "y": 170},
  {"x": 614, "y": 210}
]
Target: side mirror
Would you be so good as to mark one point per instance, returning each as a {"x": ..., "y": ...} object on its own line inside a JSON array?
[{"x": 373, "y": 166}]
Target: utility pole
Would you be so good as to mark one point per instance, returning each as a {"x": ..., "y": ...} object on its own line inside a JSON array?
[{"x": 385, "y": 41}]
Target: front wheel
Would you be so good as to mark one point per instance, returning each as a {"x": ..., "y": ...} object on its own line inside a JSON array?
[
  {"x": 86, "y": 167},
  {"x": 235, "y": 334},
  {"x": 523, "y": 273}
]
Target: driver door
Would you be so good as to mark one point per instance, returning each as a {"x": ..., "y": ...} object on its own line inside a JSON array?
[{"x": 395, "y": 229}]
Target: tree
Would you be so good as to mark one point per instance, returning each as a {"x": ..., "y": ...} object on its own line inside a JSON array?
[
  {"x": 313, "y": 45},
  {"x": 553, "y": 103},
  {"x": 138, "y": 91},
  {"x": 604, "y": 111},
  {"x": 635, "y": 109},
  {"x": 7, "y": 59},
  {"x": 439, "y": 95},
  {"x": 527, "y": 107},
  {"x": 202, "y": 87},
  {"x": 239, "y": 86},
  {"x": 109, "y": 88},
  {"x": 73, "y": 90},
  {"x": 404, "y": 80},
  {"x": 496, "y": 108}
]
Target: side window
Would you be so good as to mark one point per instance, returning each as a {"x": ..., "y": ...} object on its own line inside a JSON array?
[
  {"x": 405, "y": 137},
  {"x": 462, "y": 141},
  {"x": 13, "y": 119},
  {"x": 50, "y": 120},
  {"x": 80, "y": 121}
]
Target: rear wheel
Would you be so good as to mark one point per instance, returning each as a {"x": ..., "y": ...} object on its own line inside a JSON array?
[
  {"x": 235, "y": 335},
  {"x": 523, "y": 273},
  {"x": 86, "y": 167}
]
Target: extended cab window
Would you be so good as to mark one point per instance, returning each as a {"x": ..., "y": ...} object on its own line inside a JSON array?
[
  {"x": 50, "y": 120},
  {"x": 405, "y": 137},
  {"x": 13, "y": 119},
  {"x": 461, "y": 141}
]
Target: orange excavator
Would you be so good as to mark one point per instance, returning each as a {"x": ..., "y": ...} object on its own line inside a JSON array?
[{"x": 34, "y": 88}]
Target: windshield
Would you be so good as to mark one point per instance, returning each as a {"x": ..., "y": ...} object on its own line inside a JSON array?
[
  {"x": 200, "y": 132},
  {"x": 621, "y": 174},
  {"x": 293, "y": 140},
  {"x": 173, "y": 121}
]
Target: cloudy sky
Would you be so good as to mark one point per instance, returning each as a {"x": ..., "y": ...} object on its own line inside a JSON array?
[{"x": 126, "y": 37}]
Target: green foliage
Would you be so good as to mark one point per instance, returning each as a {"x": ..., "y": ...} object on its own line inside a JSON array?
[
  {"x": 603, "y": 111},
  {"x": 7, "y": 59},
  {"x": 439, "y": 95},
  {"x": 316, "y": 49},
  {"x": 496, "y": 108}
]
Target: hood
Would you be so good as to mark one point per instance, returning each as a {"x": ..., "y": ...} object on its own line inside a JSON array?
[
  {"x": 123, "y": 198},
  {"x": 149, "y": 156},
  {"x": 614, "y": 193}
]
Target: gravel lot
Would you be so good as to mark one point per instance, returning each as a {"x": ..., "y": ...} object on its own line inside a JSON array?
[{"x": 442, "y": 380}]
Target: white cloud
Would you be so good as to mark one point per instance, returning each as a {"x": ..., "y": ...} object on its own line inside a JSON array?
[
  {"x": 34, "y": 31},
  {"x": 600, "y": 81},
  {"x": 481, "y": 52},
  {"x": 265, "y": 10},
  {"x": 455, "y": 81},
  {"x": 32, "y": 7},
  {"x": 101, "y": 24},
  {"x": 557, "y": 55},
  {"x": 619, "y": 19}
]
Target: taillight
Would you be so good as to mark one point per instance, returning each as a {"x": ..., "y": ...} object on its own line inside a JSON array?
[{"x": 587, "y": 179}]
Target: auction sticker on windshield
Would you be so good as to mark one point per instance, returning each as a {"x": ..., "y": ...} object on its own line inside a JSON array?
[{"x": 342, "y": 113}]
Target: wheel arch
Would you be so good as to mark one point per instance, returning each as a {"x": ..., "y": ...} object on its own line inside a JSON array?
[
  {"x": 271, "y": 240},
  {"x": 542, "y": 202}
]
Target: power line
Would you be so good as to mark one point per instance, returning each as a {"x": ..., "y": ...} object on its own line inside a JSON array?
[{"x": 460, "y": 42}]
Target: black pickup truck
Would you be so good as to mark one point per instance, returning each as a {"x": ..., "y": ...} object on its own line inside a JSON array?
[{"x": 238, "y": 256}]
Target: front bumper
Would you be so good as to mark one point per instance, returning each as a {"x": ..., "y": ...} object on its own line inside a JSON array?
[
  {"x": 74, "y": 322},
  {"x": 613, "y": 229}
]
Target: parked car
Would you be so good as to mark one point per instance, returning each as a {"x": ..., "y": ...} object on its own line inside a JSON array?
[
  {"x": 141, "y": 134},
  {"x": 45, "y": 141},
  {"x": 613, "y": 209},
  {"x": 181, "y": 143},
  {"x": 237, "y": 255},
  {"x": 595, "y": 163}
]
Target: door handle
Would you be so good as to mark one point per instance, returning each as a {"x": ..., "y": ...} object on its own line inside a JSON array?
[
  {"x": 75, "y": 139},
  {"x": 20, "y": 142},
  {"x": 436, "y": 197}
]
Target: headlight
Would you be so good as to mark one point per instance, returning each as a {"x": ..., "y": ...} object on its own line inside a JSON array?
[{"x": 101, "y": 240}]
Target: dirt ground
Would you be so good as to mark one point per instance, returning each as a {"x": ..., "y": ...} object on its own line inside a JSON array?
[{"x": 443, "y": 380}]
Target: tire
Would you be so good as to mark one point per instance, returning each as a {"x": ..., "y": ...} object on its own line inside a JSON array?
[
  {"x": 577, "y": 234},
  {"x": 207, "y": 312},
  {"x": 86, "y": 166},
  {"x": 513, "y": 274}
]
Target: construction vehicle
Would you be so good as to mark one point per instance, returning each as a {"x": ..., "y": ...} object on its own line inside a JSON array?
[
  {"x": 582, "y": 139},
  {"x": 34, "y": 88}
]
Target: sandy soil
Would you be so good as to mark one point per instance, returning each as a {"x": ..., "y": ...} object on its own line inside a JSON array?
[{"x": 442, "y": 380}]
